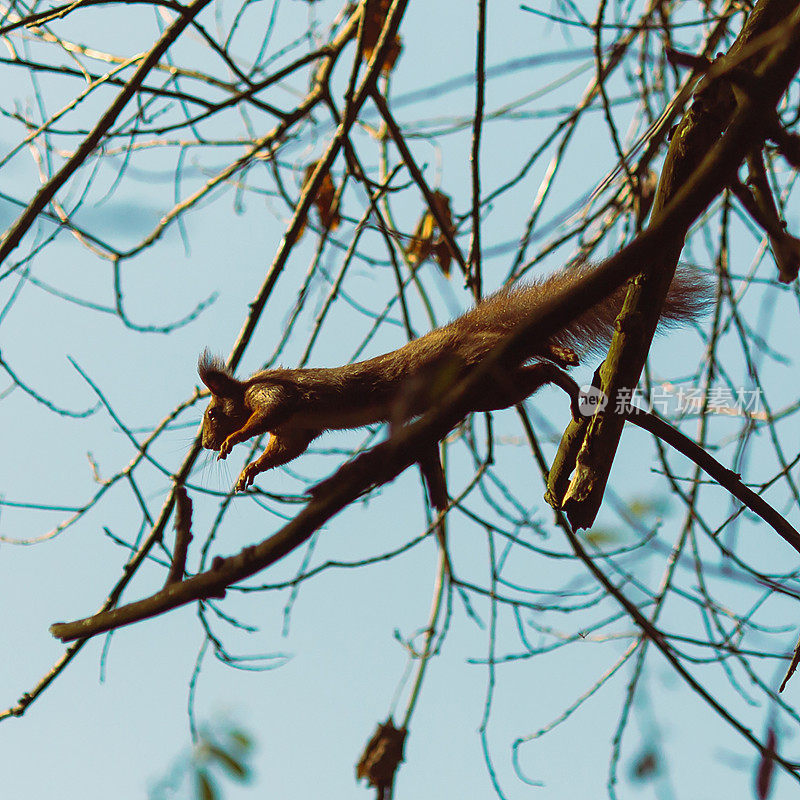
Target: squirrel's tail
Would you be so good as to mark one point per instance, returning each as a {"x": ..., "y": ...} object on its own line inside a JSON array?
[{"x": 689, "y": 297}]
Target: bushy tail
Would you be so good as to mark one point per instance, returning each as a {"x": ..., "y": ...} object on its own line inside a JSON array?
[{"x": 689, "y": 297}]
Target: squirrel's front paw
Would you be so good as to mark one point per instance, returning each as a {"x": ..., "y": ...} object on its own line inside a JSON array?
[
  {"x": 224, "y": 449},
  {"x": 246, "y": 478}
]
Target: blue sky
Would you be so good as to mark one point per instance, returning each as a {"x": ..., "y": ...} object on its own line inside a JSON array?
[{"x": 116, "y": 720}]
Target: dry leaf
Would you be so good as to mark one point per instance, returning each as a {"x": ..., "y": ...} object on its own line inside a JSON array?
[
  {"x": 441, "y": 252},
  {"x": 373, "y": 24},
  {"x": 420, "y": 246},
  {"x": 325, "y": 202},
  {"x": 428, "y": 240},
  {"x": 382, "y": 756}
]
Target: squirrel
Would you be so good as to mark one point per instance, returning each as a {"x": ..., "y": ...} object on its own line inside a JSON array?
[{"x": 295, "y": 406}]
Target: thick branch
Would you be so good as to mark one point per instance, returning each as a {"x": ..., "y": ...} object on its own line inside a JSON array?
[{"x": 697, "y": 143}]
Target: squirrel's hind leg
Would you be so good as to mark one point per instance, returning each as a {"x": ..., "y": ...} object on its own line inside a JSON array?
[{"x": 508, "y": 388}]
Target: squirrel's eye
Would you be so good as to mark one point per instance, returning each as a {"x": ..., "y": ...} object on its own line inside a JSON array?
[{"x": 211, "y": 413}]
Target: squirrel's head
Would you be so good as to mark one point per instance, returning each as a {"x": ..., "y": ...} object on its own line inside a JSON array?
[{"x": 226, "y": 412}]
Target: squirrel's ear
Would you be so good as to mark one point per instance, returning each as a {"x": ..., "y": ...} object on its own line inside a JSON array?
[{"x": 216, "y": 376}]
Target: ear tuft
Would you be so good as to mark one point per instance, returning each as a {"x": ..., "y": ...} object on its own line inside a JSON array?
[{"x": 216, "y": 376}]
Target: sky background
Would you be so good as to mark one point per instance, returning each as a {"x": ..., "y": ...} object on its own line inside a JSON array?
[{"x": 116, "y": 720}]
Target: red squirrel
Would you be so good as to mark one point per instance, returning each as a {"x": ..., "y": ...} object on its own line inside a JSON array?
[{"x": 295, "y": 406}]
